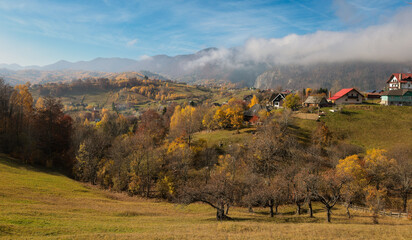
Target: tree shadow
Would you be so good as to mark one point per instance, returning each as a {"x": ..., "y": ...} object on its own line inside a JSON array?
[
  {"x": 348, "y": 113},
  {"x": 18, "y": 164}
]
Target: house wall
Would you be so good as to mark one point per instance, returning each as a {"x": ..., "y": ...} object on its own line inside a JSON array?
[
  {"x": 384, "y": 100},
  {"x": 406, "y": 85},
  {"x": 352, "y": 97},
  {"x": 395, "y": 84},
  {"x": 405, "y": 100}
]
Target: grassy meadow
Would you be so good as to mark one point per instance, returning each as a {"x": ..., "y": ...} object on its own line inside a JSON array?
[
  {"x": 36, "y": 203},
  {"x": 368, "y": 126}
]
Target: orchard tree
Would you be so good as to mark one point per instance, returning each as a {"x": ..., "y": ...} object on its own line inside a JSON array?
[
  {"x": 379, "y": 169},
  {"x": 402, "y": 173},
  {"x": 350, "y": 169},
  {"x": 224, "y": 188},
  {"x": 328, "y": 190}
]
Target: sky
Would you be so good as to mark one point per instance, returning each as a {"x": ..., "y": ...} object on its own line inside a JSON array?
[{"x": 40, "y": 32}]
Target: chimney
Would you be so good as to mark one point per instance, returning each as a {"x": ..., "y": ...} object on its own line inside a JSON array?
[
  {"x": 330, "y": 94},
  {"x": 400, "y": 79}
]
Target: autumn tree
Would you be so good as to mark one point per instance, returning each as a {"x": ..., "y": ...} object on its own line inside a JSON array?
[
  {"x": 292, "y": 101},
  {"x": 185, "y": 121},
  {"x": 268, "y": 153},
  {"x": 328, "y": 190},
  {"x": 53, "y": 133},
  {"x": 253, "y": 101},
  {"x": 351, "y": 169},
  {"x": 378, "y": 169},
  {"x": 223, "y": 189}
]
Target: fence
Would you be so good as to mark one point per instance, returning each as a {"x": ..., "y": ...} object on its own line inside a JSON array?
[{"x": 383, "y": 213}]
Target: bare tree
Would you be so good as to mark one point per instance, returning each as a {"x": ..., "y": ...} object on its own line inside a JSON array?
[{"x": 403, "y": 173}]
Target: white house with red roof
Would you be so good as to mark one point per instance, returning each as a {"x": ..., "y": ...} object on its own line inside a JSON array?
[
  {"x": 347, "y": 96},
  {"x": 399, "y": 81}
]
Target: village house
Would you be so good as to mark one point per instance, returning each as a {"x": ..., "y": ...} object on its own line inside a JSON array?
[
  {"x": 253, "y": 112},
  {"x": 373, "y": 94},
  {"x": 399, "y": 81},
  {"x": 347, "y": 96},
  {"x": 316, "y": 101},
  {"x": 276, "y": 100},
  {"x": 399, "y": 97}
]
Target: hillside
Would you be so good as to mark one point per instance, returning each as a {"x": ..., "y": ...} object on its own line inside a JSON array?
[
  {"x": 36, "y": 76},
  {"x": 41, "y": 204},
  {"x": 213, "y": 65},
  {"x": 363, "y": 75},
  {"x": 368, "y": 126}
]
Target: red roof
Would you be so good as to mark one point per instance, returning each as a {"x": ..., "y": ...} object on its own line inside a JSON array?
[
  {"x": 342, "y": 93},
  {"x": 405, "y": 77}
]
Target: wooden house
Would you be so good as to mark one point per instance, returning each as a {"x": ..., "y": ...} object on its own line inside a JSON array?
[
  {"x": 316, "y": 101},
  {"x": 347, "y": 96}
]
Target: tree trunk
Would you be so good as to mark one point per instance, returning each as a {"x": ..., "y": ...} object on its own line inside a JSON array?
[
  {"x": 271, "y": 204},
  {"x": 298, "y": 209},
  {"x": 271, "y": 211},
  {"x": 375, "y": 216},
  {"x": 347, "y": 210},
  {"x": 310, "y": 209},
  {"x": 220, "y": 213},
  {"x": 276, "y": 209},
  {"x": 405, "y": 202},
  {"x": 328, "y": 213},
  {"x": 227, "y": 209}
]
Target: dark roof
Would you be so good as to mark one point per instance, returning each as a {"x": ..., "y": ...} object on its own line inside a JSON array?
[
  {"x": 397, "y": 92},
  {"x": 276, "y": 95},
  {"x": 247, "y": 97},
  {"x": 314, "y": 99},
  {"x": 254, "y": 110}
]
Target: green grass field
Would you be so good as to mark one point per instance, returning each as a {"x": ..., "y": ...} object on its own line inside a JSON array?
[
  {"x": 368, "y": 126},
  {"x": 36, "y": 203}
]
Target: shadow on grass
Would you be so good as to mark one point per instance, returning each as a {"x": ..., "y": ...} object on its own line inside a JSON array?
[
  {"x": 18, "y": 164},
  {"x": 348, "y": 113}
]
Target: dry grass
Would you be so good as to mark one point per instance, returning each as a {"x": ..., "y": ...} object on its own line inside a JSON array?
[{"x": 39, "y": 204}]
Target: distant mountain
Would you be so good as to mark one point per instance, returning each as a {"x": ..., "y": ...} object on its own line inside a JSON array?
[
  {"x": 217, "y": 65},
  {"x": 187, "y": 68},
  {"x": 11, "y": 66}
]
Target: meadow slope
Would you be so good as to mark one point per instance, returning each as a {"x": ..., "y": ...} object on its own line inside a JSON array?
[{"x": 36, "y": 203}]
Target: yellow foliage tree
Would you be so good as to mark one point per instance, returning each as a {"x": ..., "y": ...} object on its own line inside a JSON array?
[
  {"x": 185, "y": 121},
  {"x": 254, "y": 101},
  {"x": 40, "y": 103}
]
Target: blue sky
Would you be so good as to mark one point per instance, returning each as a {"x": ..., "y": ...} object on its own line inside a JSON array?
[{"x": 36, "y": 32}]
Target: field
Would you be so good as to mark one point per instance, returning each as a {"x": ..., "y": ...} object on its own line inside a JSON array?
[
  {"x": 368, "y": 126},
  {"x": 36, "y": 203}
]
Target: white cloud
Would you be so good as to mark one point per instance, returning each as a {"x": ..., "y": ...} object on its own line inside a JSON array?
[
  {"x": 389, "y": 42},
  {"x": 131, "y": 43},
  {"x": 145, "y": 57}
]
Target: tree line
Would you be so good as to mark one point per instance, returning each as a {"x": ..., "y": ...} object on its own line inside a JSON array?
[{"x": 37, "y": 135}]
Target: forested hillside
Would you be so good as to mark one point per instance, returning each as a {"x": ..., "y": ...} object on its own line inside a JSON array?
[{"x": 335, "y": 76}]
